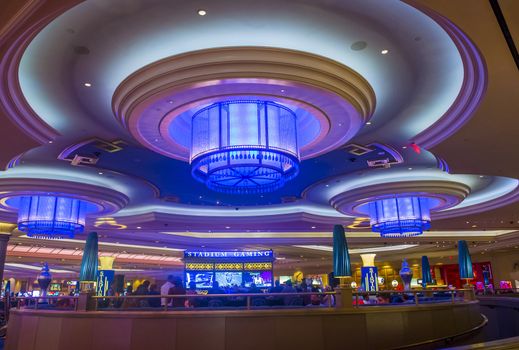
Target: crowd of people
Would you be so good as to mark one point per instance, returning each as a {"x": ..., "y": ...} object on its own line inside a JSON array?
[{"x": 296, "y": 295}]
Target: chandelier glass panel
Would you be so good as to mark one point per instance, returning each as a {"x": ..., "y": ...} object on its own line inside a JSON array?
[
  {"x": 51, "y": 217},
  {"x": 244, "y": 146},
  {"x": 400, "y": 216}
]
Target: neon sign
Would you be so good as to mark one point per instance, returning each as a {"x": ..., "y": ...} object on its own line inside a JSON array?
[{"x": 229, "y": 254}]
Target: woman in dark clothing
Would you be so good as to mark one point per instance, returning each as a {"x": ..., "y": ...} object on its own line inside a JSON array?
[
  {"x": 177, "y": 289},
  {"x": 154, "y": 302}
]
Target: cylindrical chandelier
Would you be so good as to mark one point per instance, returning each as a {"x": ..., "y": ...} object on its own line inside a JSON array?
[
  {"x": 51, "y": 217},
  {"x": 244, "y": 146},
  {"x": 400, "y": 216}
]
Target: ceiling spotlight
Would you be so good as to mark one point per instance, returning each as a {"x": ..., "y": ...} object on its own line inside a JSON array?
[
  {"x": 100, "y": 173},
  {"x": 384, "y": 52},
  {"x": 202, "y": 12},
  {"x": 87, "y": 84},
  {"x": 170, "y": 102},
  {"x": 313, "y": 227},
  {"x": 50, "y": 141},
  {"x": 409, "y": 168},
  {"x": 368, "y": 123},
  {"x": 227, "y": 227},
  {"x": 138, "y": 227}
]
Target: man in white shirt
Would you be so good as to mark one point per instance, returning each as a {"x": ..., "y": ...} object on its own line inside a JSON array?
[{"x": 165, "y": 289}]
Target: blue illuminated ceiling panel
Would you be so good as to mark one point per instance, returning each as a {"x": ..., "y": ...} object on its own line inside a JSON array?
[
  {"x": 51, "y": 217},
  {"x": 244, "y": 147},
  {"x": 400, "y": 216}
]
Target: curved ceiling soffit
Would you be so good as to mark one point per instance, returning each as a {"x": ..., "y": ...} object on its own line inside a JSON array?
[
  {"x": 155, "y": 216},
  {"x": 447, "y": 193},
  {"x": 23, "y": 28},
  {"x": 225, "y": 67},
  {"x": 72, "y": 154},
  {"x": 495, "y": 203},
  {"x": 473, "y": 87},
  {"x": 107, "y": 200}
]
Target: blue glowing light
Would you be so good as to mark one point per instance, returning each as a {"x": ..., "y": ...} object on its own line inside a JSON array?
[
  {"x": 244, "y": 147},
  {"x": 51, "y": 217},
  {"x": 400, "y": 216}
]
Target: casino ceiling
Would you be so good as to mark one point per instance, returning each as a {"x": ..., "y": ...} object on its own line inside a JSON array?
[{"x": 145, "y": 110}]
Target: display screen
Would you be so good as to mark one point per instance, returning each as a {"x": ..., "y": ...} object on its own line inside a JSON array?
[
  {"x": 260, "y": 279},
  {"x": 229, "y": 278},
  {"x": 284, "y": 279},
  {"x": 203, "y": 280},
  {"x": 55, "y": 287}
]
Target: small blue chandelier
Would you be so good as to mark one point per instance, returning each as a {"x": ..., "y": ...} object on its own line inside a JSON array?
[
  {"x": 51, "y": 217},
  {"x": 244, "y": 146},
  {"x": 400, "y": 216}
]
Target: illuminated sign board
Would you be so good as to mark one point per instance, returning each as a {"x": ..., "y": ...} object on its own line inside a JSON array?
[
  {"x": 369, "y": 278},
  {"x": 229, "y": 254},
  {"x": 104, "y": 280}
]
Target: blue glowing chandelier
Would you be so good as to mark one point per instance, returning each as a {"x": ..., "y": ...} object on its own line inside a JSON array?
[
  {"x": 51, "y": 217},
  {"x": 400, "y": 216},
  {"x": 244, "y": 146}
]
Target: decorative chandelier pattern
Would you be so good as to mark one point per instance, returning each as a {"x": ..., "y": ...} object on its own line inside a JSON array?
[
  {"x": 51, "y": 217},
  {"x": 400, "y": 216},
  {"x": 244, "y": 146}
]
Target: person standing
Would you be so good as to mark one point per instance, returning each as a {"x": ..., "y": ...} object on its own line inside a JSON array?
[
  {"x": 177, "y": 289},
  {"x": 164, "y": 290}
]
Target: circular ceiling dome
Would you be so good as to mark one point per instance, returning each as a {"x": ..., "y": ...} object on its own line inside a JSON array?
[{"x": 331, "y": 102}]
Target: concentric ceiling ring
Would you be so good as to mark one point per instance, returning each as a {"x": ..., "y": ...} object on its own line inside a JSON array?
[
  {"x": 445, "y": 193},
  {"x": 151, "y": 99}
]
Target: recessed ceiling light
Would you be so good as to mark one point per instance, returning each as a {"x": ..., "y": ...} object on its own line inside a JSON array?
[
  {"x": 50, "y": 141},
  {"x": 474, "y": 225},
  {"x": 227, "y": 227},
  {"x": 368, "y": 123},
  {"x": 404, "y": 147},
  {"x": 384, "y": 52},
  {"x": 138, "y": 227},
  {"x": 481, "y": 176},
  {"x": 202, "y": 12},
  {"x": 100, "y": 173},
  {"x": 327, "y": 185},
  {"x": 170, "y": 102},
  {"x": 87, "y": 84},
  {"x": 409, "y": 168},
  {"x": 313, "y": 227},
  {"x": 282, "y": 90}
]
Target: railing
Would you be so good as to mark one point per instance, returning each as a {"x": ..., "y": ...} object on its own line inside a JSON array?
[
  {"x": 247, "y": 301},
  {"x": 427, "y": 296},
  {"x": 63, "y": 302},
  {"x": 498, "y": 291},
  {"x": 235, "y": 301}
]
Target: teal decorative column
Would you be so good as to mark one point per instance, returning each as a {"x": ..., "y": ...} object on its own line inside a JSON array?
[
  {"x": 88, "y": 271},
  {"x": 465, "y": 266},
  {"x": 341, "y": 257},
  {"x": 464, "y": 261},
  {"x": 426, "y": 271},
  {"x": 341, "y": 268}
]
